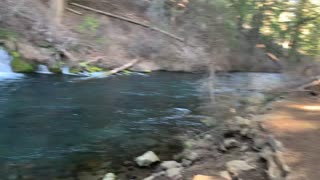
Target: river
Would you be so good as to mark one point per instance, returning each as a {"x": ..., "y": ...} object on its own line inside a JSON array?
[{"x": 52, "y": 126}]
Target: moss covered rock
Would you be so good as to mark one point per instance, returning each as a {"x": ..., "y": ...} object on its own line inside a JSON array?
[
  {"x": 75, "y": 70},
  {"x": 20, "y": 65},
  {"x": 55, "y": 68}
]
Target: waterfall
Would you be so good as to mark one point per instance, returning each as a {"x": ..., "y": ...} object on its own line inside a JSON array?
[
  {"x": 5, "y": 68},
  {"x": 65, "y": 70},
  {"x": 43, "y": 69}
]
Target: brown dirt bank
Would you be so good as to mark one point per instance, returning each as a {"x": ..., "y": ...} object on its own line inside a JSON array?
[{"x": 109, "y": 42}]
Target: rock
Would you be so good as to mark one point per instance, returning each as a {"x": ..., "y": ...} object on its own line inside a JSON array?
[
  {"x": 186, "y": 162},
  {"x": 259, "y": 142},
  {"x": 274, "y": 171},
  {"x": 155, "y": 175},
  {"x": 10, "y": 45},
  {"x": 225, "y": 174},
  {"x": 242, "y": 122},
  {"x": 128, "y": 163},
  {"x": 147, "y": 159},
  {"x": 237, "y": 166},
  {"x": 275, "y": 144},
  {"x": 252, "y": 109},
  {"x": 29, "y": 52},
  {"x": 174, "y": 173},
  {"x": 230, "y": 143},
  {"x": 149, "y": 178},
  {"x": 203, "y": 144},
  {"x": 110, "y": 176},
  {"x": 202, "y": 177},
  {"x": 244, "y": 148},
  {"x": 170, "y": 164},
  {"x": 192, "y": 156},
  {"x": 20, "y": 65},
  {"x": 208, "y": 137},
  {"x": 256, "y": 98}
]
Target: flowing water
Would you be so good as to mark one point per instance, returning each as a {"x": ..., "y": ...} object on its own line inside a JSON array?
[
  {"x": 54, "y": 126},
  {"x": 5, "y": 68},
  {"x": 43, "y": 69}
]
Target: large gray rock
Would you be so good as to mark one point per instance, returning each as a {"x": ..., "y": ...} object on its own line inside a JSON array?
[
  {"x": 174, "y": 173},
  {"x": 147, "y": 159},
  {"x": 170, "y": 164}
]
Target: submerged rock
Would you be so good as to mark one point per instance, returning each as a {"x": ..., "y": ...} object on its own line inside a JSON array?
[{"x": 147, "y": 159}]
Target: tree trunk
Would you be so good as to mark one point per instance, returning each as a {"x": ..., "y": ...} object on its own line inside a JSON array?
[{"x": 57, "y": 8}]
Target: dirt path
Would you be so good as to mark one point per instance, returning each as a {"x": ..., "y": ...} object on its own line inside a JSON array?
[{"x": 296, "y": 123}]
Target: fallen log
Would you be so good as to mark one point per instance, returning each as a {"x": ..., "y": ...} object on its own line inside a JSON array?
[
  {"x": 129, "y": 20},
  {"x": 122, "y": 68}
]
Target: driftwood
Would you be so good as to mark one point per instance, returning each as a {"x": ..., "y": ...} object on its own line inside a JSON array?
[
  {"x": 123, "y": 67},
  {"x": 129, "y": 20},
  {"x": 114, "y": 71}
]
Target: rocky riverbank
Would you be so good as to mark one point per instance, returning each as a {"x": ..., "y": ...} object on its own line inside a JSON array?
[{"x": 240, "y": 148}]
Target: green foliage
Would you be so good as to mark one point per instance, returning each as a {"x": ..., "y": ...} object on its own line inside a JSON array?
[
  {"x": 56, "y": 67},
  {"x": 90, "y": 68},
  {"x": 7, "y": 34},
  {"x": 75, "y": 70},
  {"x": 291, "y": 24},
  {"x": 89, "y": 24},
  {"x": 20, "y": 65}
]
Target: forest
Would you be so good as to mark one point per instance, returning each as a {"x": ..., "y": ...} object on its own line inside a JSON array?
[{"x": 159, "y": 89}]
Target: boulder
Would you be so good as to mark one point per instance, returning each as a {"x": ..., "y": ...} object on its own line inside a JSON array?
[
  {"x": 174, "y": 173},
  {"x": 170, "y": 164},
  {"x": 110, "y": 176},
  {"x": 238, "y": 166},
  {"x": 256, "y": 98},
  {"x": 30, "y": 52},
  {"x": 147, "y": 159}
]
